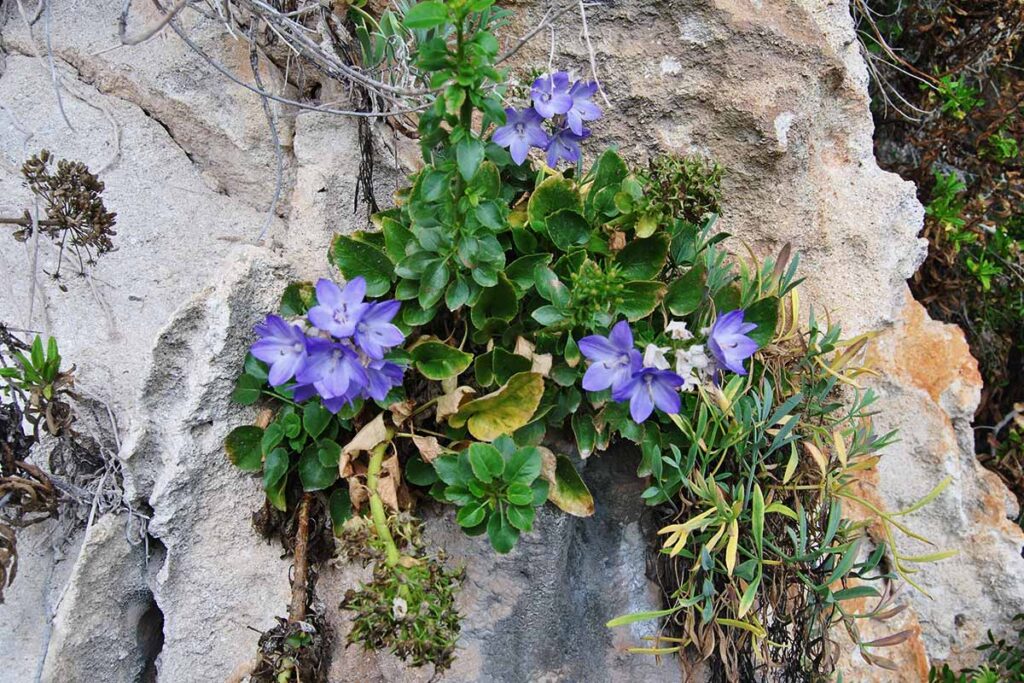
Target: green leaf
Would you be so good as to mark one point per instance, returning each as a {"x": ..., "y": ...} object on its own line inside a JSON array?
[
  {"x": 432, "y": 283},
  {"x": 292, "y": 425},
  {"x": 643, "y": 259},
  {"x": 275, "y": 467},
  {"x": 553, "y": 194},
  {"x": 469, "y": 152},
  {"x": 340, "y": 506},
  {"x": 854, "y": 593},
  {"x": 568, "y": 492},
  {"x": 685, "y": 294},
  {"x": 247, "y": 390},
  {"x": 277, "y": 494},
  {"x": 551, "y": 288},
  {"x": 585, "y": 431},
  {"x": 633, "y": 618},
  {"x": 524, "y": 466},
  {"x": 507, "y": 364},
  {"x": 243, "y": 447},
  {"x": 639, "y": 299},
  {"x": 747, "y": 599},
  {"x": 273, "y": 435},
  {"x": 548, "y": 315},
  {"x": 521, "y": 271},
  {"x": 472, "y": 514},
  {"x": 502, "y": 534},
  {"x": 495, "y": 303},
  {"x": 502, "y": 411},
  {"x": 314, "y": 476},
  {"x": 567, "y": 229},
  {"x": 757, "y": 519},
  {"x": 457, "y": 293},
  {"x": 329, "y": 453},
  {"x": 418, "y": 472},
  {"x": 521, "y": 516},
  {"x": 396, "y": 237},
  {"x": 354, "y": 258},
  {"x": 298, "y": 298},
  {"x": 425, "y": 15},
  {"x": 609, "y": 172},
  {"x": 489, "y": 215},
  {"x": 449, "y": 470},
  {"x": 519, "y": 494},
  {"x": 765, "y": 314},
  {"x": 437, "y": 360},
  {"x": 486, "y": 462},
  {"x": 315, "y": 418},
  {"x": 256, "y": 368}
]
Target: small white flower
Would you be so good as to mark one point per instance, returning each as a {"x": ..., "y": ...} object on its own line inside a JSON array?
[
  {"x": 654, "y": 357},
  {"x": 399, "y": 608},
  {"x": 678, "y": 331},
  {"x": 692, "y": 365}
]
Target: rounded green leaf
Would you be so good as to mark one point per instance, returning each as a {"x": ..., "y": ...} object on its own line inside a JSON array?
[
  {"x": 298, "y": 297},
  {"x": 449, "y": 470},
  {"x": 548, "y": 315},
  {"x": 519, "y": 494},
  {"x": 243, "y": 446},
  {"x": 420, "y": 473},
  {"x": 502, "y": 411},
  {"x": 432, "y": 283},
  {"x": 315, "y": 418},
  {"x": 329, "y": 453},
  {"x": 765, "y": 314},
  {"x": 567, "y": 229},
  {"x": 275, "y": 467},
  {"x": 472, "y": 514},
  {"x": 521, "y": 516},
  {"x": 425, "y": 15},
  {"x": 551, "y": 288},
  {"x": 643, "y": 259},
  {"x": 495, "y": 303},
  {"x": 354, "y": 258},
  {"x": 502, "y": 534},
  {"x": 521, "y": 271},
  {"x": 272, "y": 436},
  {"x": 469, "y": 152},
  {"x": 437, "y": 360},
  {"x": 685, "y": 294},
  {"x": 247, "y": 390},
  {"x": 314, "y": 476},
  {"x": 553, "y": 194},
  {"x": 486, "y": 462},
  {"x": 524, "y": 466},
  {"x": 639, "y": 299}
]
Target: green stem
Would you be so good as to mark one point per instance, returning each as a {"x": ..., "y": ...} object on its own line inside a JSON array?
[{"x": 380, "y": 520}]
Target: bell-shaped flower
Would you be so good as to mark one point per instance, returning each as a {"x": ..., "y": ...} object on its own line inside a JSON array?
[
  {"x": 521, "y": 131},
  {"x": 729, "y": 342},
  {"x": 647, "y": 389},
  {"x": 338, "y": 310},
  {"x": 374, "y": 333},
  {"x": 583, "y": 109},
  {"x": 565, "y": 144},
  {"x": 282, "y": 346},
  {"x": 381, "y": 376},
  {"x": 332, "y": 368},
  {"x": 654, "y": 357},
  {"x": 550, "y": 94},
  {"x": 613, "y": 358}
]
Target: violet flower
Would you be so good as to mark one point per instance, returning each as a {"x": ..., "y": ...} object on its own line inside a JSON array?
[
  {"x": 522, "y": 131},
  {"x": 338, "y": 310},
  {"x": 613, "y": 358},
  {"x": 647, "y": 389},
  {"x": 375, "y": 333},
  {"x": 333, "y": 369},
  {"x": 582, "y": 108},
  {"x": 550, "y": 94},
  {"x": 282, "y": 346},
  {"x": 729, "y": 342},
  {"x": 381, "y": 376},
  {"x": 565, "y": 144}
]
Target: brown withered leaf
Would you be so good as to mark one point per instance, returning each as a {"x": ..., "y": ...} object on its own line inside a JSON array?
[
  {"x": 372, "y": 434},
  {"x": 401, "y": 411},
  {"x": 541, "y": 364},
  {"x": 449, "y": 403},
  {"x": 524, "y": 347},
  {"x": 428, "y": 446},
  {"x": 617, "y": 241}
]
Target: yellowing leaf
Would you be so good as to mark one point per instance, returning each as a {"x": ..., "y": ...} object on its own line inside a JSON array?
[
  {"x": 840, "y": 444},
  {"x": 731, "y": 546},
  {"x": 502, "y": 411},
  {"x": 567, "y": 491},
  {"x": 450, "y": 403},
  {"x": 818, "y": 457}
]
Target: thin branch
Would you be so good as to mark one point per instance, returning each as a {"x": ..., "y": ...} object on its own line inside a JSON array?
[{"x": 122, "y": 23}]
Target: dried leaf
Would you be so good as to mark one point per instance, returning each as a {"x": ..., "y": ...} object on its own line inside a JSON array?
[
  {"x": 542, "y": 364},
  {"x": 401, "y": 411},
  {"x": 428, "y": 446},
  {"x": 449, "y": 403},
  {"x": 373, "y": 433}
]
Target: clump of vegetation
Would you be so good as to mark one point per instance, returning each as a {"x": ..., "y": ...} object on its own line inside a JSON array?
[
  {"x": 76, "y": 217},
  {"x": 1004, "y": 661},
  {"x": 948, "y": 113},
  {"x": 514, "y": 300}
]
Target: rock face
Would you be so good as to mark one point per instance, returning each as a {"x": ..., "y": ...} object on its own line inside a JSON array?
[{"x": 774, "y": 90}]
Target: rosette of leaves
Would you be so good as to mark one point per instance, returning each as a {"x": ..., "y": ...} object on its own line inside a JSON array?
[{"x": 496, "y": 487}]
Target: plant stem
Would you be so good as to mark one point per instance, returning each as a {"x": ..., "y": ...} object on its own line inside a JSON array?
[
  {"x": 380, "y": 520},
  {"x": 297, "y": 610},
  {"x": 27, "y": 222}
]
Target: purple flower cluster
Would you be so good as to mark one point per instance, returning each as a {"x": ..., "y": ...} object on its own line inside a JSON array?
[
  {"x": 645, "y": 381},
  {"x": 565, "y": 106},
  {"x": 341, "y": 356}
]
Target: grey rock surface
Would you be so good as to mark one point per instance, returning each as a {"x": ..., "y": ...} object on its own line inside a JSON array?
[{"x": 774, "y": 90}]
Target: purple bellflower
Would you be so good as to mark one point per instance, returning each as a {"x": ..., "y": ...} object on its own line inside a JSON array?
[
  {"x": 338, "y": 310},
  {"x": 375, "y": 333},
  {"x": 582, "y": 108},
  {"x": 729, "y": 342},
  {"x": 282, "y": 346},
  {"x": 649, "y": 388},
  {"x": 613, "y": 358},
  {"x": 565, "y": 144},
  {"x": 333, "y": 369},
  {"x": 381, "y": 376},
  {"x": 550, "y": 94},
  {"x": 521, "y": 132}
]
